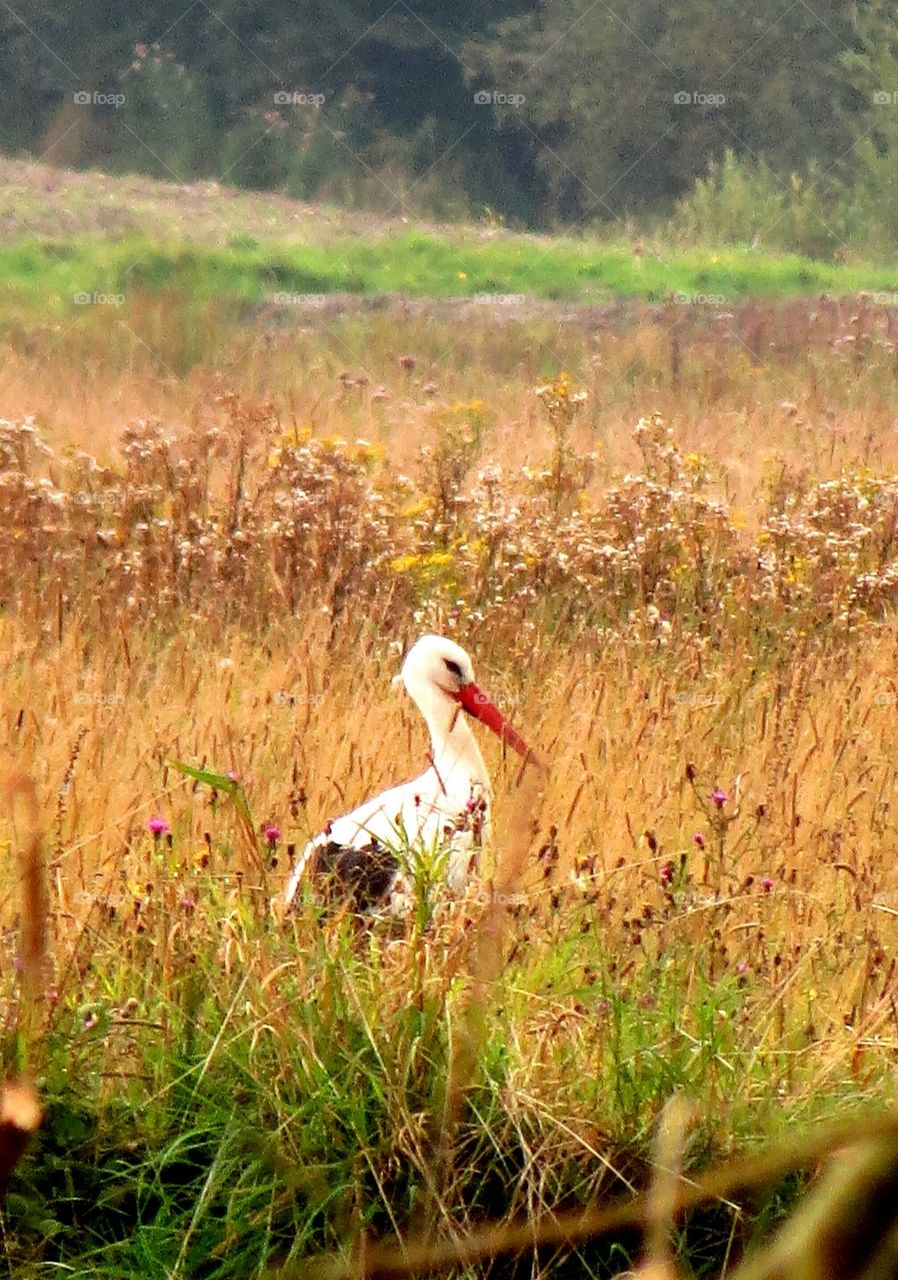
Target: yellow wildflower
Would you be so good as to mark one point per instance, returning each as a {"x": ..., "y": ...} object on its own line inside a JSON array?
[
  {"x": 415, "y": 509},
  {"x": 402, "y": 564}
]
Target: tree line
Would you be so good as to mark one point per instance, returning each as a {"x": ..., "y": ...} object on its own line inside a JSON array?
[{"x": 564, "y": 111}]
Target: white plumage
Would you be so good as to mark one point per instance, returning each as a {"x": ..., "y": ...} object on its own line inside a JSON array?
[{"x": 446, "y": 808}]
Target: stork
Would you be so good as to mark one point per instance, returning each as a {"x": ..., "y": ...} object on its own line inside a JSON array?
[{"x": 446, "y": 809}]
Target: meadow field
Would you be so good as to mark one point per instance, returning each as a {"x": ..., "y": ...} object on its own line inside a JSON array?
[{"x": 666, "y": 532}]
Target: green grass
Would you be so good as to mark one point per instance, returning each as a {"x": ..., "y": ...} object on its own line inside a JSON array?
[
  {"x": 47, "y": 275},
  {"x": 267, "y": 1122},
  {"x": 64, "y": 233},
  {"x": 281, "y": 1092}
]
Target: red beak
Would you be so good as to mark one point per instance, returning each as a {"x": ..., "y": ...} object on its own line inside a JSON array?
[{"x": 482, "y": 708}]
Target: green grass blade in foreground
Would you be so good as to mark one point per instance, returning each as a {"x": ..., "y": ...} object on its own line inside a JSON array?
[{"x": 231, "y": 787}]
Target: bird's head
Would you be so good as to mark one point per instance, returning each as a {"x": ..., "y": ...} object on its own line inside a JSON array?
[{"x": 437, "y": 670}]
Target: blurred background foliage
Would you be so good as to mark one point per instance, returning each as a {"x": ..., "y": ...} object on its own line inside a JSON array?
[{"x": 773, "y": 123}]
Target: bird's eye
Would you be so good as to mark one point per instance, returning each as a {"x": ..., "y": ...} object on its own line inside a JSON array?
[{"x": 453, "y": 667}]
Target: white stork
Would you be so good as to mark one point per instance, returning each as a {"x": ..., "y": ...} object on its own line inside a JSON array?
[{"x": 446, "y": 809}]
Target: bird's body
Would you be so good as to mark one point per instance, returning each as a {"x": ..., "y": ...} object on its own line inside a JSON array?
[{"x": 444, "y": 811}]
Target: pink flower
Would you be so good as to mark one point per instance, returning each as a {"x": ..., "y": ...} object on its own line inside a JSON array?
[
  {"x": 767, "y": 884},
  {"x": 666, "y": 873},
  {"x": 718, "y": 797},
  {"x": 158, "y": 827},
  {"x": 272, "y": 835},
  {"x": 698, "y": 840}
]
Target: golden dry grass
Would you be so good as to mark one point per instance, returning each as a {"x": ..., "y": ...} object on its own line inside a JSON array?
[
  {"x": 751, "y": 386},
  {"x": 811, "y": 746},
  {"x": 661, "y": 939}
]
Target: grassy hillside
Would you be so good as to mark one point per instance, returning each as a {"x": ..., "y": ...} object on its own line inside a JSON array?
[
  {"x": 74, "y": 237},
  {"x": 55, "y": 274}
]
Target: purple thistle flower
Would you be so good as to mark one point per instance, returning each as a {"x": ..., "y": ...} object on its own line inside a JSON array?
[
  {"x": 158, "y": 827},
  {"x": 767, "y": 884},
  {"x": 698, "y": 840},
  {"x": 666, "y": 873},
  {"x": 272, "y": 835},
  {"x": 718, "y": 797}
]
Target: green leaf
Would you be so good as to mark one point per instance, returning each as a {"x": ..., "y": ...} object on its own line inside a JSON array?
[{"x": 220, "y": 781}]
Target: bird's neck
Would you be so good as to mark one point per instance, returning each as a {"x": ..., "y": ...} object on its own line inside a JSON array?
[{"x": 456, "y": 755}]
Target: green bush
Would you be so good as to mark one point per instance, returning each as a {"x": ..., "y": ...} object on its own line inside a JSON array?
[{"x": 745, "y": 202}]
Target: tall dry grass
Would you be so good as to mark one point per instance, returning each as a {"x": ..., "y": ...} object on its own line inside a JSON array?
[
  {"x": 749, "y": 384},
  {"x": 701, "y": 898}
]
